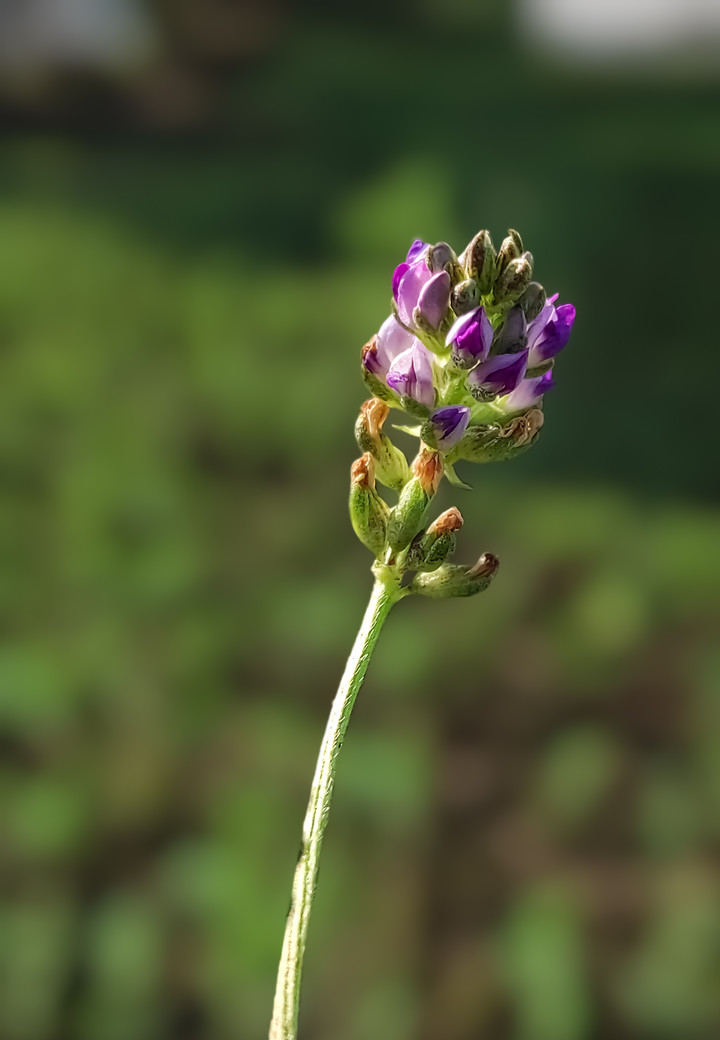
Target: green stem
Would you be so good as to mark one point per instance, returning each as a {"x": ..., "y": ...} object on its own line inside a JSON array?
[{"x": 287, "y": 993}]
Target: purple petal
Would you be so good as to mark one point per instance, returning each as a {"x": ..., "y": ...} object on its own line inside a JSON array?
[
  {"x": 392, "y": 340},
  {"x": 434, "y": 298},
  {"x": 554, "y": 336},
  {"x": 397, "y": 275},
  {"x": 528, "y": 393},
  {"x": 409, "y": 288},
  {"x": 450, "y": 424},
  {"x": 411, "y": 374},
  {"x": 416, "y": 249},
  {"x": 536, "y": 326},
  {"x": 470, "y": 337},
  {"x": 499, "y": 374}
]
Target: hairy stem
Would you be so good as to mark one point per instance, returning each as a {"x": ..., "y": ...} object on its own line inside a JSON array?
[{"x": 287, "y": 993}]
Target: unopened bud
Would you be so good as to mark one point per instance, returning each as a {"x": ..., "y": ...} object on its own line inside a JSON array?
[
  {"x": 368, "y": 512},
  {"x": 514, "y": 280},
  {"x": 465, "y": 296},
  {"x": 510, "y": 250},
  {"x": 391, "y": 466},
  {"x": 517, "y": 238},
  {"x": 480, "y": 261},
  {"x": 532, "y": 300},
  {"x": 442, "y": 257},
  {"x": 408, "y": 516},
  {"x": 451, "y": 580},
  {"x": 511, "y": 337}
]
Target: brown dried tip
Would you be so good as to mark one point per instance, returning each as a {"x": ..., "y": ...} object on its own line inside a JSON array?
[
  {"x": 485, "y": 567},
  {"x": 369, "y": 348},
  {"x": 362, "y": 472},
  {"x": 523, "y": 428},
  {"x": 448, "y": 522},
  {"x": 374, "y": 413},
  {"x": 428, "y": 468}
]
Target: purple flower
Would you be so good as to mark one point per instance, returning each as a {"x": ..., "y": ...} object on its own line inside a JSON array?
[
  {"x": 497, "y": 375},
  {"x": 392, "y": 340},
  {"x": 449, "y": 424},
  {"x": 528, "y": 394},
  {"x": 550, "y": 331},
  {"x": 470, "y": 338},
  {"x": 416, "y": 249},
  {"x": 414, "y": 285},
  {"x": 411, "y": 374}
]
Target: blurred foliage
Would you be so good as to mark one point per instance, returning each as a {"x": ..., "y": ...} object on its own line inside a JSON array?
[{"x": 525, "y": 834}]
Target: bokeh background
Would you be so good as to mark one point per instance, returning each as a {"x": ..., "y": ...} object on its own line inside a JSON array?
[{"x": 201, "y": 204}]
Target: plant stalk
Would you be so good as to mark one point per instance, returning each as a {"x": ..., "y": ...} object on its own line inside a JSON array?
[{"x": 287, "y": 992}]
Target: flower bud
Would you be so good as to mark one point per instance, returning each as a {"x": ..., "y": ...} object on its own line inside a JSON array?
[
  {"x": 446, "y": 426},
  {"x": 368, "y": 512},
  {"x": 391, "y": 466},
  {"x": 511, "y": 337},
  {"x": 480, "y": 261},
  {"x": 514, "y": 279},
  {"x": 451, "y": 580},
  {"x": 497, "y": 375},
  {"x": 465, "y": 296},
  {"x": 433, "y": 301},
  {"x": 550, "y": 331},
  {"x": 469, "y": 338},
  {"x": 532, "y": 300},
  {"x": 441, "y": 257},
  {"x": 408, "y": 516},
  {"x": 529, "y": 393},
  {"x": 510, "y": 250}
]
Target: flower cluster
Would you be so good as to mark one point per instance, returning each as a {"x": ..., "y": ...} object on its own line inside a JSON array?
[{"x": 468, "y": 351}]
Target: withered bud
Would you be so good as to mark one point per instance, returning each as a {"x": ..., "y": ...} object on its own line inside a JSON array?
[
  {"x": 523, "y": 428},
  {"x": 374, "y": 413},
  {"x": 447, "y": 523},
  {"x": 428, "y": 468},
  {"x": 362, "y": 472},
  {"x": 486, "y": 567}
]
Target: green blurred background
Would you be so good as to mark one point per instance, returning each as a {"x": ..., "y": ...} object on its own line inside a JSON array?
[{"x": 201, "y": 204}]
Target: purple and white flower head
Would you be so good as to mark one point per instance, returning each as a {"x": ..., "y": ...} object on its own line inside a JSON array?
[
  {"x": 498, "y": 375},
  {"x": 468, "y": 351},
  {"x": 446, "y": 426},
  {"x": 469, "y": 338},
  {"x": 411, "y": 375},
  {"x": 415, "y": 286}
]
